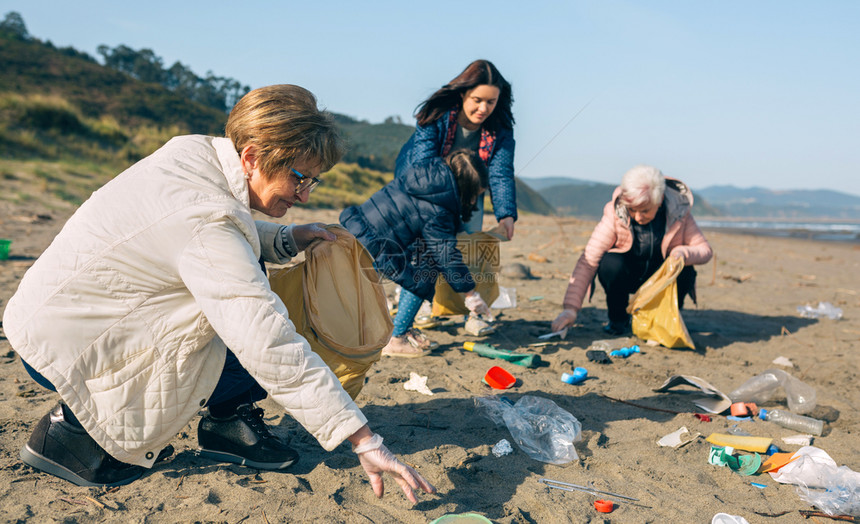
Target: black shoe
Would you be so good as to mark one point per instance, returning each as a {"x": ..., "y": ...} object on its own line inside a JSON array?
[
  {"x": 61, "y": 447},
  {"x": 617, "y": 329},
  {"x": 243, "y": 438}
]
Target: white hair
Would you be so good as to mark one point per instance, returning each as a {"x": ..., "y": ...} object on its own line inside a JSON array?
[{"x": 642, "y": 185}]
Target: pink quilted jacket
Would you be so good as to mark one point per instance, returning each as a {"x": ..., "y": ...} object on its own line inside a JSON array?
[{"x": 613, "y": 234}]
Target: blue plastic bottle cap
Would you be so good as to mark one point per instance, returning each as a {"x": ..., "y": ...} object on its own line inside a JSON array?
[
  {"x": 567, "y": 378},
  {"x": 762, "y": 414},
  {"x": 580, "y": 373}
]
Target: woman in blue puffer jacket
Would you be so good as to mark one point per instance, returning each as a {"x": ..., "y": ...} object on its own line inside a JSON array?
[
  {"x": 410, "y": 227},
  {"x": 472, "y": 111}
]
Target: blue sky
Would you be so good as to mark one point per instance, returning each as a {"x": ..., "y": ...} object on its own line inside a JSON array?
[{"x": 763, "y": 93}]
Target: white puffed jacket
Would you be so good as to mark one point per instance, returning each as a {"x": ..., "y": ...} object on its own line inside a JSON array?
[{"x": 129, "y": 310}]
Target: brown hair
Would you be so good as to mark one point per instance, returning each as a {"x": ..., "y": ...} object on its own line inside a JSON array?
[
  {"x": 471, "y": 176},
  {"x": 450, "y": 96},
  {"x": 285, "y": 125}
]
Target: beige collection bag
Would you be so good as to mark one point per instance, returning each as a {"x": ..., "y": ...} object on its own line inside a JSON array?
[
  {"x": 335, "y": 299},
  {"x": 655, "y": 308},
  {"x": 481, "y": 254}
]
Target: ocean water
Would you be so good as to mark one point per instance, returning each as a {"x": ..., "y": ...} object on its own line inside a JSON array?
[{"x": 831, "y": 231}]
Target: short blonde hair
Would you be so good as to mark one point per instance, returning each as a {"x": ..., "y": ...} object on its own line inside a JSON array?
[
  {"x": 285, "y": 125},
  {"x": 642, "y": 185}
]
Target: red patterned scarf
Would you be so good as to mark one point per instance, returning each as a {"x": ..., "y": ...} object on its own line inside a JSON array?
[{"x": 485, "y": 147}]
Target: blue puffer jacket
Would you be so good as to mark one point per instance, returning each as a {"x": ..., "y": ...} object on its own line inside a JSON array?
[
  {"x": 410, "y": 225},
  {"x": 427, "y": 142}
]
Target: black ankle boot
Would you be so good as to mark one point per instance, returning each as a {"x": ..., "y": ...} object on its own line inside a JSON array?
[
  {"x": 61, "y": 447},
  {"x": 243, "y": 438},
  {"x": 618, "y": 328}
]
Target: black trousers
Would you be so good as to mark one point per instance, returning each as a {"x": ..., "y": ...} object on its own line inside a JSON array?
[
  {"x": 619, "y": 279},
  {"x": 235, "y": 387}
]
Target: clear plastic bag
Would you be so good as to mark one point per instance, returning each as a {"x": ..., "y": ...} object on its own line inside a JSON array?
[
  {"x": 833, "y": 489},
  {"x": 540, "y": 428},
  {"x": 841, "y": 495},
  {"x": 801, "y": 397}
]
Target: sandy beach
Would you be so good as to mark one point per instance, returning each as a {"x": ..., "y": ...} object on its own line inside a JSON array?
[{"x": 746, "y": 317}]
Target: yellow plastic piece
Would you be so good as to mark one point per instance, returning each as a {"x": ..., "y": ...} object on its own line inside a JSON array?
[{"x": 757, "y": 444}]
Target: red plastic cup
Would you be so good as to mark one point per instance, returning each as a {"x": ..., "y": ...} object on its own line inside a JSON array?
[
  {"x": 604, "y": 506},
  {"x": 498, "y": 378}
]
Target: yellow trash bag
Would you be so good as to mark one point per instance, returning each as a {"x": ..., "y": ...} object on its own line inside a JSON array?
[
  {"x": 481, "y": 254},
  {"x": 655, "y": 308},
  {"x": 335, "y": 299}
]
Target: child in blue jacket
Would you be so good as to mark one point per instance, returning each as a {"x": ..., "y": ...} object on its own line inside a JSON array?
[{"x": 410, "y": 228}]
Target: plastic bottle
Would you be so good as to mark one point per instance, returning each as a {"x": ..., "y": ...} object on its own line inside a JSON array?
[
  {"x": 793, "y": 421},
  {"x": 801, "y": 397},
  {"x": 824, "y": 309}
]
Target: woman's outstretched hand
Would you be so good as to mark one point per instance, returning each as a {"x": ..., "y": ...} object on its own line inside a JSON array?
[
  {"x": 565, "y": 319},
  {"x": 375, "y": 458}
]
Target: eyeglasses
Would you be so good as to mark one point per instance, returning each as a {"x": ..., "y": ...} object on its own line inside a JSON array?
[{"x": 305, "y": 183}]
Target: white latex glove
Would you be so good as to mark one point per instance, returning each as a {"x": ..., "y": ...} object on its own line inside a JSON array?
[
  {"x": 304, "y": 234},
  {"x": 476, "y": 305},
  {"x": 565, "y": 319},
  {"x": 376, "y": 458}
]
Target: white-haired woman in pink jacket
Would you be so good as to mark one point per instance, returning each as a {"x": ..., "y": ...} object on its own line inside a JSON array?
[{"x": 648, "y": 219}]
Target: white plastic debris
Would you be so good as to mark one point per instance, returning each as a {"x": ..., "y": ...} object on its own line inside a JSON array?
[
  {"x": 782, "y": 361},
  {"x": 561, "y": 333},
  {"x": 798, "y": 440},
  {"x": 417, "y": 383},
  {"x": 725, "y": 518},
  {"x": 507, "y": 298},
  {"x": 673, "y": 439},
  {"x": 502, "y": 448}
]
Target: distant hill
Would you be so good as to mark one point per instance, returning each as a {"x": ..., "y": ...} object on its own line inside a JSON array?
[
  {"x": 32, "y": 67},
  {"x": 68, "y": 124},
  {"x": 584, "y": 198},
  {"x": 541, "y": 183},
  {"x": 373, "y": 146},
  {"x": 757, "y": 202},
  {"x": 570, "y": 196},
  {"x": 532, "y": 201}
]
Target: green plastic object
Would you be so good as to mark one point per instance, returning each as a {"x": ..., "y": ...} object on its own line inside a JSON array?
[
  {"x": 743, "y": 464},
  {"x": 528, "y": 360},
  {"x": 4, "y": 248},
  {"x": 462, "y": 518}
]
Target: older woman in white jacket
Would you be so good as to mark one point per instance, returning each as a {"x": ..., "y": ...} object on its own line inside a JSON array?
[{"x": 129, "y": 312}]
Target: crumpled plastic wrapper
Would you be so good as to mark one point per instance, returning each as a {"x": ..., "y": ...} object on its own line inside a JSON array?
[
  {"x": 502, "y": 448},
  {"x": 417, "y": 383}
]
